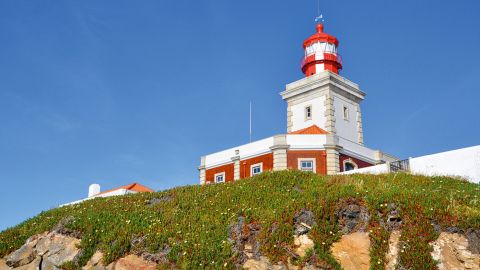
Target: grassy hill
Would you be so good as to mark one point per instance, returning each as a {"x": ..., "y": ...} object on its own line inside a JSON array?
[{"x": 191, "y": 225}]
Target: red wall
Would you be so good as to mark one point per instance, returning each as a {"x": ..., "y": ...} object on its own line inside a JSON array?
[
  {"x": 228, "y": 169},
  {"x": 360, "y": 163},
  {"x": 267, "y": 165},
  {"x": 319, "y": 155}
]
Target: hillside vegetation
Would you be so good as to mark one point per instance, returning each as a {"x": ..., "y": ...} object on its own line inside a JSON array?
[{"x": 190, "y": 226}]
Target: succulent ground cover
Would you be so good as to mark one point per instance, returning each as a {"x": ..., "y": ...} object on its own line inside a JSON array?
[{"x": 191, "y": 227}]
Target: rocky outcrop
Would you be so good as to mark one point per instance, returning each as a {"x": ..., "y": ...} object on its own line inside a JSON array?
[
  {"x": 352, "y": 216},
  {"x": 352, "y": 251},
  {"x": 392, "y": 255},
  {"x": 451, "y": 250},
  {"x": 44, "y": 251}
]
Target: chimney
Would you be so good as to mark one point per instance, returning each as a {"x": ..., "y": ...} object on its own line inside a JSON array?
[{"x": 93, "y": 190}]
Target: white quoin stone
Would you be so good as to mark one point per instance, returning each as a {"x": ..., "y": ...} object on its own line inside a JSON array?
[{"x": 93, "y": 189}]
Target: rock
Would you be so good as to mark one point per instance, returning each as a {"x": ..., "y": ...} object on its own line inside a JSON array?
[
  {"x": 22, "y": 256},
  {"x": 95, "y": 263},
  {"x": 3, "y": 265},
  {"x": 473, "y": 237},
  {"x": 155, "y": 201},
  {"x": 61, "y": 228},
  {"x": 134, "y": 262},
  {"x": 352, "y": 251},
  {"x": 392, "y": 255},
  {"x": 262, "y": 263},
  {"x": 244, "y": 240},
  {"x": 34, "y": 265},
  {"x": 451, "y": 252},
  {"x": 303, "y": 222},
  {"x": 302, "y": 243},
  {"x": 352, "y": 216},
  {"x": 57, "y": 249}
]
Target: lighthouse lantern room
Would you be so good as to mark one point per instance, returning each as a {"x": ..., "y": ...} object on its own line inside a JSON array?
[{"x": 321, "y": 53}]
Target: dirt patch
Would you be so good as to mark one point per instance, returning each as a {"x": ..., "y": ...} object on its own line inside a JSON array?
[{"x": 352, "y": 216}]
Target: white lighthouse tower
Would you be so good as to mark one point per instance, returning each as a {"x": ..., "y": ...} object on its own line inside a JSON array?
[{"x": 324, "y": 98}]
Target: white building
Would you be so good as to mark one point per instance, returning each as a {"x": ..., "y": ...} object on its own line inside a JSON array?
[
  {"x": 94, "y": 192},
  {"x": 324, "y": 131}
]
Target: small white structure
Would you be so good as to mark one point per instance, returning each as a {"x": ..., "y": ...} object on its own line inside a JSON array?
[
  {"x": 464, "y": 163},
  {"x": 94, "y": 192}
]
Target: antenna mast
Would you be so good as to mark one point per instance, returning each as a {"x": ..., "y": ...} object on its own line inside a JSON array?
[
  {"x": 250, "y": 122},
  {"x": 319, "y": 17}
]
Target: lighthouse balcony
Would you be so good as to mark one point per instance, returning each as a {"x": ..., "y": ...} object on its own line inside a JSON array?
[{"x": 322, "y": 56}]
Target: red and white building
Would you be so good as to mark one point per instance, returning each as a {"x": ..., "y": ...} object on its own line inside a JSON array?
[
  {"x": 324, "y": 125},
  {"x": 94, "y": 192}
]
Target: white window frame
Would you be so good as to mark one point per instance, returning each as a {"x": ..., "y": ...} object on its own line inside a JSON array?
[
  {"x": 305, "y": 112},
  {"x": 314, "y": 165},
  {"x": 346, "y": 113},
  {"x": 256, "y": 165},
  {"x": 219, "y": 174},
  {"x": 349, "y": 160}
]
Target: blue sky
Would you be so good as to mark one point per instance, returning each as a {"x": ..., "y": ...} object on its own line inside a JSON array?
[{"x": 114, "y": 92}]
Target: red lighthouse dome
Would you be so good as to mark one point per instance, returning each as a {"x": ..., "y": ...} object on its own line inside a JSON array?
[{"x": 321, "y": 53}]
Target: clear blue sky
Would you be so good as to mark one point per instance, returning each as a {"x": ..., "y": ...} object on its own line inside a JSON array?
[{"x": 113, "y": 92}]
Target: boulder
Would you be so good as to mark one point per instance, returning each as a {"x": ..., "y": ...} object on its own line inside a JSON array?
[
  {"x": 352, "y": 251},
  {"x": 451, "y": 251},
  {"x": 22, "y": 256},
  {"x": 57, "y": 249}
]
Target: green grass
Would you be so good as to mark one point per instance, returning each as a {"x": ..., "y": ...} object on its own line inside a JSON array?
[{"x": 195, "y": 221}]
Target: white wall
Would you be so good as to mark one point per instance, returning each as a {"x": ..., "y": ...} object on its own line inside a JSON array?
[
  {"x": 318, "y": 114},
  {"x": 301, "y": 141},
  {"x": 463, "y": 162},
  {"x": 246, "y": 150},
  {"x": 377, "y": 169},
  {"x": 345, "y": 128},
  {"x": 356, "y": 150}
]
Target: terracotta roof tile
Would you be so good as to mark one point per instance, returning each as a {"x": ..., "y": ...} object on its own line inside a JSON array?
[
  {"x": 314, "y": 129},
  {"x": 133, "y": 187}
]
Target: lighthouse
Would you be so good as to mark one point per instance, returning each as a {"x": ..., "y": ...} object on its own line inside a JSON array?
[
  {"x": 324, "y": 133},
  {"x": 321, "y": 53}
]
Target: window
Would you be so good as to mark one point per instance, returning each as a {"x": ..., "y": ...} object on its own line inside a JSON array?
[
  {"x": 220, "y": 177},
  {"x": 349, "y": 165},
  {"x": 256, "y": 169},
  {"x": 308, "y": 112},
  {"x": 346, "y": 114},
  {"x": 305, "y": 164}
]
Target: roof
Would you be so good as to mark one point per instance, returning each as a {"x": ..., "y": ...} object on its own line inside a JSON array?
[
  {"x": 320, "y": 36},
  {"x": 132, "y": 187},
  {"x": 313, "y": 129}
]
